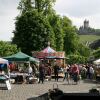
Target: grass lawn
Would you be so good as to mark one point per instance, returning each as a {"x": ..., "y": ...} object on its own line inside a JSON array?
[{"x": 89, "y": 38}]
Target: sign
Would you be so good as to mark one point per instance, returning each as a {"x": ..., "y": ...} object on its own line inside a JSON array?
[
  {"x": 44, "y": 55},
  {"x": 8, "y": 85}
]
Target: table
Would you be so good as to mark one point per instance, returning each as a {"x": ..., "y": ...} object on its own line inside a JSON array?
[{"x": 18, "y": 77}]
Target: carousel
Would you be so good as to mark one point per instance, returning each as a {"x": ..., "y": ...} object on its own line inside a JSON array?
[{"x": 49, "y": 55}]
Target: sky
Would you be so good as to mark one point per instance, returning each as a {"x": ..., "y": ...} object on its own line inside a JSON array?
[{"x": 76, "y": 10}]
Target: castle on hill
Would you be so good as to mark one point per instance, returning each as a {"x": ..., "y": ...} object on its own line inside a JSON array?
[{"x": 87, "y": 30}]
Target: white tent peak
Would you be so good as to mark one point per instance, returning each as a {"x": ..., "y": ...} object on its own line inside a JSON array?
[
  {"x": 2, "y": 61},
  {"x": 97, "y": 61}
]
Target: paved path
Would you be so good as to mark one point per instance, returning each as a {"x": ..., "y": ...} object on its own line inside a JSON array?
[{"x": 25, "y": 91}]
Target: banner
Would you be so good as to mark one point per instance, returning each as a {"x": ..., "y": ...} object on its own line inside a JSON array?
[{"x": 45, "y": 55}]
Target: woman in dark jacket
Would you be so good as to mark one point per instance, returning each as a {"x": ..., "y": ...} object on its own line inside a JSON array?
[
  {"x": 56, "y": 71},
  {"x": 41, "y": 73}
]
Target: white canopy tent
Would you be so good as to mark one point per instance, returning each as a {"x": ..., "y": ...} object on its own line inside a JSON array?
[
  {"x": 3, "y": 61},
  {"x": 97, "y": 62},
  {"x": 4, "y": 77}
]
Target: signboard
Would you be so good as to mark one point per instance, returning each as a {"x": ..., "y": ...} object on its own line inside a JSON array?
[
  {"x": 8, "y": 85},
  {"x": 44, "y": 55}
]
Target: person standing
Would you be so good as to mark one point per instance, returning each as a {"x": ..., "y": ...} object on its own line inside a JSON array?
[
  {"x": 83, "y": 72},
  {"x": 41, "y": 73},
  {"x": 56, "y": 71},
  {"x": 91, "y": 72},
  {"x": 30, "y": 70},
  {"x": 65, "y": 73},
  {"x": 75, "y": 72}
]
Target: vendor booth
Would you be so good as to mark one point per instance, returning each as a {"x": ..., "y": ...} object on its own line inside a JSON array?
[
  {"x": 21, "y": 62},
  {"x": 4, "y": 73},
  {"x": 4, "y": 66},
  {"x": 20, "y": 56}
]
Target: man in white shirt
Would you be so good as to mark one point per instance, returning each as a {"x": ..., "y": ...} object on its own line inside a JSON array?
[
  {"x": 30, "y": 70},
  {"x": 91, "y": 72}
]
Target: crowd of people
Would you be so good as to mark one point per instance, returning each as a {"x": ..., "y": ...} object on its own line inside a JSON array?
[
  {"x": 77, "y": 72},
  {"x": 73, "y": 72}
]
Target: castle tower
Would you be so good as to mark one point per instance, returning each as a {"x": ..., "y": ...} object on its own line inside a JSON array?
[{"x": 86, "y": 24}]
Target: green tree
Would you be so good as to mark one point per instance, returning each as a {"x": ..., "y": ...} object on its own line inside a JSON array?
[
  {"x": 83, "y": 50},
  {"x": 42, "y": 6},
  {"x": 96, "y": 53},
  {"x": 32, "y": 29},
  {"x": 55, "y": 22},
  {"x": 32, "y": 32},
  {"x": 25, "y": 5},
  {"x": 76, "y": 59},
  {"x": 70, "y": 36},
  {"x": 7, "y": 49}
]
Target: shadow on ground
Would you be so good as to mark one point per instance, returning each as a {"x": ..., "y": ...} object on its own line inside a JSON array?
[
  {"x": 90, "y": 81},
  {"x": 41, "y": 97},
  {"x": 3, "y": 88}
]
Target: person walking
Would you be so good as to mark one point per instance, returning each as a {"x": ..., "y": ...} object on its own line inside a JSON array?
[{"x": 65, "y": 72}]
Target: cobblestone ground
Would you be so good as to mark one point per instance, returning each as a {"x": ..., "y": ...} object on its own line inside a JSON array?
[{"x": 25, "y": 91}]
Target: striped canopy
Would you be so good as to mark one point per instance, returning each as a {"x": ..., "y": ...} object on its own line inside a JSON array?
[{"x": 48, "y": 50}]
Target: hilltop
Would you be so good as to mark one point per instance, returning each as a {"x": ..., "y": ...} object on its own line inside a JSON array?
[
  {"x": 88, "y": 38},
  {"x": 85, "y": 29}
]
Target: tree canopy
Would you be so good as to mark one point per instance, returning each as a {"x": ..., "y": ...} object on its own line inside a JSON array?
[
  {"x": 37, "y": 24},
  {"x": 32, "y": 32},
  {"x": 7, "y": 49}
]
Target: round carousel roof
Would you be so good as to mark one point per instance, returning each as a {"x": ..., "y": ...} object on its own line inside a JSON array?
[{"x": 48, "y": 50}]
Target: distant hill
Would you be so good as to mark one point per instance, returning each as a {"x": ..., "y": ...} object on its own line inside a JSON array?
[{"x": 88, "y": 38}]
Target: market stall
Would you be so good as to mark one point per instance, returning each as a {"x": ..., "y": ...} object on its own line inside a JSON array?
[
  {"x": 4, "y": 73},
  {"x": 20, "y": 59},
  {"x": 4, "y": 66},
  {"x": 49, "y": 55}
]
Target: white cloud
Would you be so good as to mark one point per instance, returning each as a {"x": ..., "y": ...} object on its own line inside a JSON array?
[
  {"x": 79, "y": 10},
  {"x": 8, "y": 12}
]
